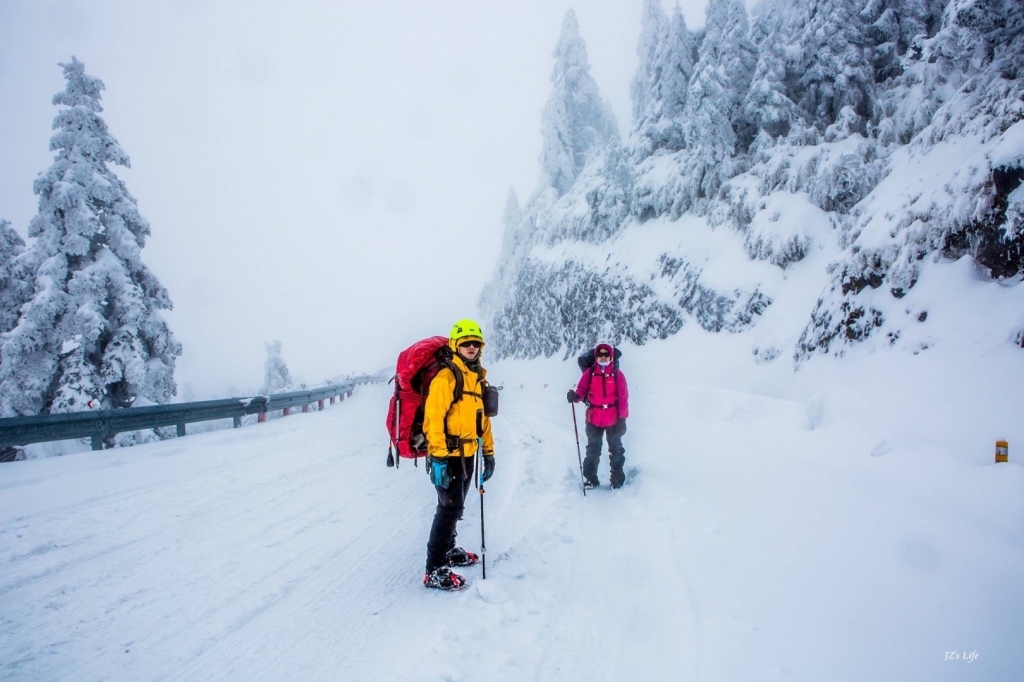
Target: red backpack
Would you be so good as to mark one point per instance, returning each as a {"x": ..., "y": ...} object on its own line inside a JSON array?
[{"x": 417, "y": 366}]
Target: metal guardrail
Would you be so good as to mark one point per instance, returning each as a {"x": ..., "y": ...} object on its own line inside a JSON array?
[{"x": 101, "y": 424}]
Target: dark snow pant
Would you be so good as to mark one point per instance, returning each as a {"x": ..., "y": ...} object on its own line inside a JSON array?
[
  {"x": 616, "y": 453},
  {"x": 451, "y": 502}
]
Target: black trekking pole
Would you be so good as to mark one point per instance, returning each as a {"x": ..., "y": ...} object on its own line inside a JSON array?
[
  {"x": 578, "y": 455},
  {"x": 480, "y": 479},
  {"x": 393, "y": 459}
]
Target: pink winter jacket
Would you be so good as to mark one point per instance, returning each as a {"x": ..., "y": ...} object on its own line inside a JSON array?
[{"x": 606, "y": 394}]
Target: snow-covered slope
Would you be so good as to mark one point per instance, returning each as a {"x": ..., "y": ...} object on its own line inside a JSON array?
[
  {"x": 886, "y": 136},
  {"x": 845, "y": 522}
]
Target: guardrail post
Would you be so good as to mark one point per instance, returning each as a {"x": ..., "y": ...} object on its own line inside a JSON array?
[
  {"x": 305, "y": 408},
  {"x": 97, "y": 441},
  {"x": 320, "y": 405},
  {"x": 286, "y": 411},
  {"x": 332, "y": 400},
  {"x": 349, "y": 394},
  {"x": 181, "y": 430},
  {"x": 237, "y": 422},
  {"x": 261, "y": 417}
]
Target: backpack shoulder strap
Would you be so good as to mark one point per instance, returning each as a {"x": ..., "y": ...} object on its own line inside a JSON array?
[{"x": 444, "y": 361}]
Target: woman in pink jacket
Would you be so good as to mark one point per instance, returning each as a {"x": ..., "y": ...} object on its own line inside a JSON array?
[{"x": 603, "y": 388}]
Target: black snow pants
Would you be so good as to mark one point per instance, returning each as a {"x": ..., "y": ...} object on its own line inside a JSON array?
[
  {"x": 616, "y": 453},
  {"x": 451, "y": 502}
]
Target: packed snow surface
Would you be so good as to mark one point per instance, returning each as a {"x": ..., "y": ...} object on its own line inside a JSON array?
[{"x": 842, "y": 522}]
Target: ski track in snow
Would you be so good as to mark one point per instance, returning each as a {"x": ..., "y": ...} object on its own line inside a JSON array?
[{"x": 289, "y": 551}]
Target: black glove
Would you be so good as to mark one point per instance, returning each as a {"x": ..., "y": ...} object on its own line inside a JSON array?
[
  {"x": 488, "y": 466},
  {"x": 572, "y": 397}
]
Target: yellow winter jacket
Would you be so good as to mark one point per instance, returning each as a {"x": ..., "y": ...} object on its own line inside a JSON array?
[{"x": 462, "y": 416}]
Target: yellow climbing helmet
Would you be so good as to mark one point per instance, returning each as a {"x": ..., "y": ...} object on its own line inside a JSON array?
[{"x": 464, "y": 328}]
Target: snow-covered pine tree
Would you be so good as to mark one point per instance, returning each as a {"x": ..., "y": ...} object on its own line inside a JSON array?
[
  {"x": 13, "y": 288},
  {"x": 674, "y": 67},
  {"x": 719, "y": 84},
  {"x": 513, "y": 239},
  {"x": 833, "y": 69},
  {"x": 892, "y": 26},
  {"x": 512, "y": 236},
  {"x": 660, "y": 127},
  {"x": 575, "y": 121},
  {"x": 276, "y": 376},
  {"x": 653, "y": 28},
  {"x": 92, "y": 330},
  {"x": 767, "y": 105}
]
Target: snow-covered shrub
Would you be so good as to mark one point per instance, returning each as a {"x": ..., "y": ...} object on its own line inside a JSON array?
[{"x": 779, "y": 229}]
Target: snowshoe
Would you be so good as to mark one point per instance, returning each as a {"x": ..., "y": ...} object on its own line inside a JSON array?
[
  {"x": 617, "y": 479},
  {"x": 590, "y": 484},
  {"x": 442, "y": 578},
  {"x": 459, "y": 557}
]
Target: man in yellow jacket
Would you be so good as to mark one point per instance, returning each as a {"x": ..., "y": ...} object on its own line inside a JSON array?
[{"x": 453, "y": 420}]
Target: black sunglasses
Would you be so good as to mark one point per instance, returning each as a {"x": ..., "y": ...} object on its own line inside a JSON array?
[
  {"x": 603, "y": 354},
  {"x": 471, "y": 344}
]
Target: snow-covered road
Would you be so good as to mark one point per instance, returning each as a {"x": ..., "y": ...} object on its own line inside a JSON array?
[{"x": 737, "y": 551}]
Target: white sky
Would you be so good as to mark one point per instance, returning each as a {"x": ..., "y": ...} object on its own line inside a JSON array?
[{"x": 331, "y": 174}]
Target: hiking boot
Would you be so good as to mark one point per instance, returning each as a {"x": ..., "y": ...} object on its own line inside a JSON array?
[
  {"x": 442, "y": 578},
  {"x": 590, "y": 484},
  {"x": 617, "y": 479},
  {"x": 459, "y": 557}
]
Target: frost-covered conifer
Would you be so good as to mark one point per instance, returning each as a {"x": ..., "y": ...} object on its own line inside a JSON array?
[
  {"x": 719, "y": 84},
  {"x": 833, "y": 69},
  {"x": 597, "y": 205},
  {"x": 514, "y": 239},
  {"x": 653, "y": 27},
  {"x": 92, "y": 330},
  {"x": 659, "y": 127},
  {"x": 512, "y": 236},
  {"x": 276, "y": 376},
  {"x": 892, "y": 26},
  {"x": 767, "y": 105},
  {"x": 575, "y": 120},
  {"x": 13, "y": 288}
]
